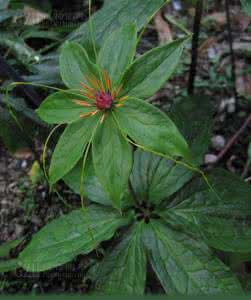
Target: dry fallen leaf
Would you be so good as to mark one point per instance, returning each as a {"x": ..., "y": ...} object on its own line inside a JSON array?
[
  {"x": 243, "y": 81},
  {"x": 34, "y": 16},
  {"x": 243, "y": 20},
  {"x": 23, "y": 153},
  {"x": 206, "y": 45},
  {"x": 163, "y": 29},
  {"x": 243, "y": 47},
  {"x": 219, "y": 18}
]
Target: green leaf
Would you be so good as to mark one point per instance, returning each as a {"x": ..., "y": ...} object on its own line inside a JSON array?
[
  {"x": 118, "y": 51},
  {"x": 113, "y": 15},
  {"x": 40, "y": 34},
  {"x": 185, "y": 265},
  {"x": 194, "y": 118},
  {"x": 60, "y": 241},
  {"x": 246, "y": 5},
  {"x": 123, "y": 270},
  {"x": 4, "y": 4},
  {"x": 151, "y": 128},
  {"x": 6, "y": 247},
  {"x": 221, "y": 216},
  {"x": 236, "y": 259},
  {"x": 75, "y": 65},
  {"x": 8, "y": 265},
  {"x": 70, "y": 147},
  {"x": 47, "y": 72},
  {"x": 10, "y": 134},
  {"x": 59, "y": 108},
  {"x": 155, "y": 179},
  {"x": 7, "y": 14},
  {"x": 149, "y": 72},
  {"x": 112, "y": 158},
  {"x": 93, "y": 189},
  {"x": 106, "y": 20},
  {"x": 16, "y": 44},
  {"x": 21, "y": 108}
]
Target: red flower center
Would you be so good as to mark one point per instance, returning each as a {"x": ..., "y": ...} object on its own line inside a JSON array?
[
  {"x": 100, "y": 96},
  {"x": 104, "y": 100}
]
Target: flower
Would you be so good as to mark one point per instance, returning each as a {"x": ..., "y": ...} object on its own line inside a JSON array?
[{"x": 100, "y": 95}]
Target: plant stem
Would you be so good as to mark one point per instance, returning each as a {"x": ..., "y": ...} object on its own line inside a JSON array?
[
  {"x": 195, "y": 43},
  {"x": 230, "y": 41}
]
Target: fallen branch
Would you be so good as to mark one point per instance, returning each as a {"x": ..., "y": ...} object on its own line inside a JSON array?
[{"x": 234, "y": 139}]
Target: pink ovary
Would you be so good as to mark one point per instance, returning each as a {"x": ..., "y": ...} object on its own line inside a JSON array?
[{"x": 104, "y": 100}]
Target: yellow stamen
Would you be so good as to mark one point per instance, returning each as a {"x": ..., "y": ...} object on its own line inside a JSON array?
[
  {"x": 94, "y": 113},
  {"x": 89, "y": 96},
  {"x": 119, "y": 105},
  {"x": 95, "y": 83},
  {"x": 102, "y": 118},
  {"x": 92, "y": 82},
  {"x": 86, "y": 114},
  {"x": 107, "y": 80},
  {"x": 100, "y": 86},
  {"x": 116, "y": 91},
  {"x": 123, "y": 98},
  {"x": 82, "y": 103},
  {"x": 88, "y": 88}
]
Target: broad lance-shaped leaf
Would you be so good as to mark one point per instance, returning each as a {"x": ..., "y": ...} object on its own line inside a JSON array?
[
  {"x": 154, "y": 178},
  {"x": 112, "y": 158},
  {"x": 60, "y": 241},
  {"x": 123, "y": 270},
  {"x": 221, "y": 216},
  {"x": 75, "y": 65},
  {"x": 151, "y": 128},
  {"x": 93, "y": 190},
  {"x": 70, "y": 147},
  {"x": 118, "y": 51},
  {"x": 149, "y": 72},
  {"x": 113, "y": 15},
  {"x": 60, "y": 107},
  {"x": 185, "y": 265}
]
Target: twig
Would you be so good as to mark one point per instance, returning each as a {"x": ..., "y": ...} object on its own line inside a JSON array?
[
  {"x": 195, "y": 43},
  {"x": 31, "y": 95},
  {"x": 179, "y": 25},
  {"x": 234, "y": 138},
  {"x": 230, "y": 41},
  {"x": 163, "y": 29}
]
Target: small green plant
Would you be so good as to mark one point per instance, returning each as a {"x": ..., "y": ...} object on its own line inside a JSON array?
[{"x": 104, "y": 109}]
